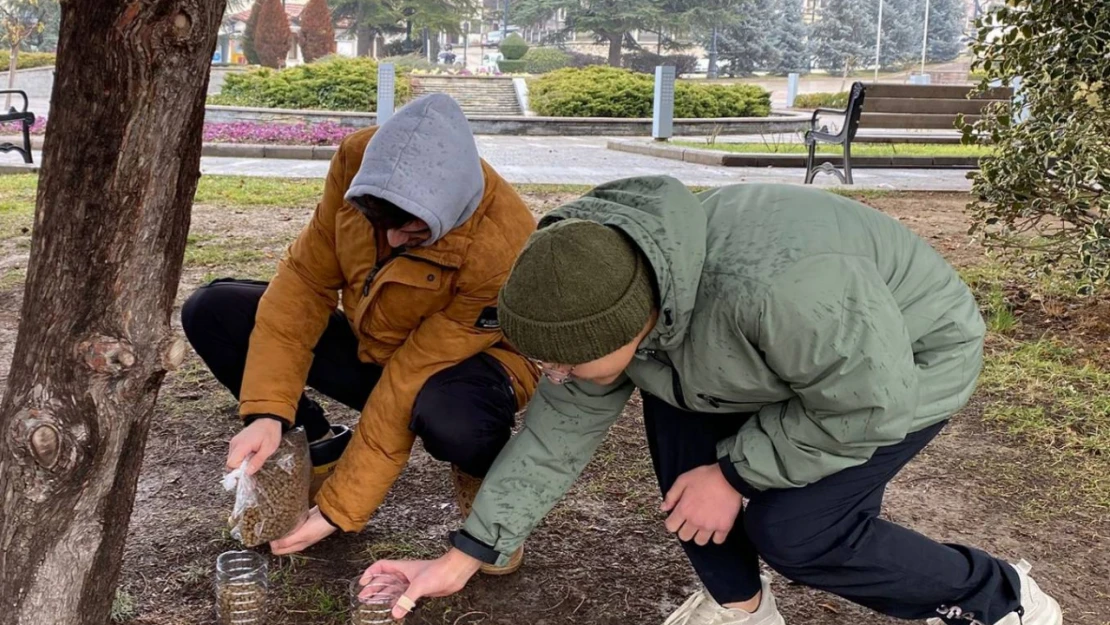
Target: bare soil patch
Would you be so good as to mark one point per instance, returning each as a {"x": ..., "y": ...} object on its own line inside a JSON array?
[{"x": 602, "y": 556}]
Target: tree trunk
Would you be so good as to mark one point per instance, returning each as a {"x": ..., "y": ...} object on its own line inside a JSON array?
[
  {"x": 13, "y": 62},
  {"x": 365, "y": 35},
  {"x": 111, "y": 219},
  {"x": 615, "y": 42}
]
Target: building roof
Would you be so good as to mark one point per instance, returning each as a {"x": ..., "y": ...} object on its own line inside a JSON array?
[{"x": 292, "y": 11}]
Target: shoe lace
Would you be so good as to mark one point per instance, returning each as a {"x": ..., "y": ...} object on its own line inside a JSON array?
[{"x": 691, "y": 612}]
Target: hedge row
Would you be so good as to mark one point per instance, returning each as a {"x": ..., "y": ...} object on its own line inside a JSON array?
[
  {"x": 821, "y": 100},
  {"x": 611, "y": 92},
  {"x": 26, "y": 60},
  {"x": 334, "y": 84}
]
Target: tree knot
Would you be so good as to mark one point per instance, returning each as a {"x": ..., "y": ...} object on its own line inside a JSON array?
[{"x": 107, "y": 355}]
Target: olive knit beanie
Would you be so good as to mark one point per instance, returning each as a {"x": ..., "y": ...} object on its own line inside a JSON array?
[{"x": 578, "y": 291}]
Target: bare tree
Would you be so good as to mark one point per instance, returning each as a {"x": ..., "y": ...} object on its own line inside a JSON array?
[{"x": 120, "y": 167}]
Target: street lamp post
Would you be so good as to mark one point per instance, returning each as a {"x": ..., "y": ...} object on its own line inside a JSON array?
[
  {"x": 711, "y": 71},
  {"x": 505, "y": 22},
  {"x": 879, "y": 42},
  {"x": 925, "y": 38}
]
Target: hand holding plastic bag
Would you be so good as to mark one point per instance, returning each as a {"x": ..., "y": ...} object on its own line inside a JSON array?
[{"x": 273, "y": 501}]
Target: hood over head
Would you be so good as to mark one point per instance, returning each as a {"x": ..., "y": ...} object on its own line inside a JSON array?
[{"x": 425, "y": 161}]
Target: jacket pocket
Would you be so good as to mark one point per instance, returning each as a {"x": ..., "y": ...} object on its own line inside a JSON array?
[{"x": 404, "y": 293}]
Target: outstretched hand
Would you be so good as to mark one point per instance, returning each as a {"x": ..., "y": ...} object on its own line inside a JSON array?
[
  {"x": 308, "y": 532},
  {"x": 442, "y": 577}
]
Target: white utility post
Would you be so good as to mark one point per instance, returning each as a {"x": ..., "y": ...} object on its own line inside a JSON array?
[
  {"x": 386, "y": 87},
  {"x": 662, "y": 121},
  {"x": 879, "y": 42},
  {"x": 925, "y": 38}
]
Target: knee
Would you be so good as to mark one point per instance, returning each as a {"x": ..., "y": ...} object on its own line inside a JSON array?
[
  {"x": 792, "y": 546},
  {"x": 457, "y": 426},
  {"x": 196, "y": 308},
  {"x": 218, "y": 309}
]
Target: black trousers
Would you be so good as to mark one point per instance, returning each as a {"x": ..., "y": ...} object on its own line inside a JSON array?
[
  {"x": 464, "y": 414},
  {"x": 828, "y": 535}
]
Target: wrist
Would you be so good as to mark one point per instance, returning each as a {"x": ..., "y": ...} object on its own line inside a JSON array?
[
  {"x": 266, "y": 422},
  {"x": 460, "y": 563}
]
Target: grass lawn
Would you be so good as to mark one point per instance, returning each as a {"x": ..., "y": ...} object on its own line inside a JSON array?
[
  {"x": 1024, "y": 471},
  {"x": 859, "y": 149}
]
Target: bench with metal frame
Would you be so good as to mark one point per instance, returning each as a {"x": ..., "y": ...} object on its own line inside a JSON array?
[
  {"x": 25, "y": 118},
  {"x": 920, "y": 110},
  {"x": 844, "y": 137}
]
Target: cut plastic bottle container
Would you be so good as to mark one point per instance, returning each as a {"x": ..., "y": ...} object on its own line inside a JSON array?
[
  {"x": 241, "y": 586},
  {"x": 372, "y": 603}
]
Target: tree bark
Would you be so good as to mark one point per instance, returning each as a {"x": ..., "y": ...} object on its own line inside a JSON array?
[
  {"x": 364, "y": 35},
  {"x": 615, "y": 42},
  {"x": 13, "y": 63},
  {"x": 120, "y": 167}
]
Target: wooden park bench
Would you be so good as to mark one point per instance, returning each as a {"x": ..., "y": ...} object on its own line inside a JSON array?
[
  {"x": 888, "y": 107},
  {"x": 26, "y": 119}
]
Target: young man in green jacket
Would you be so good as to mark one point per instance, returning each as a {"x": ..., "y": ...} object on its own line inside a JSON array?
[{"x": 793, "y": 348}]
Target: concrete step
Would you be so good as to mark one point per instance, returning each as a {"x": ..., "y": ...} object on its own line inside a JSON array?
[{"x": 476, "y": 96}]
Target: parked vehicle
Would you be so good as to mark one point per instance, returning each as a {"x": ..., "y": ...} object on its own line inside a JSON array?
[{"x": 493, "y": 38}]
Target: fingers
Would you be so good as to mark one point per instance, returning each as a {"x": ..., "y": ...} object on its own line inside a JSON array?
[
  {"x": 686, "y": 532},
  {"x": 674, "y": 522},
  {"x": 404, "y": 605},
  {"x": 265, "y": 450},
  {"x": 407, "y": 603},
  {"x": 673, "y": 495},
  {"x": 720, "y": 537},
  {"x": 386, "y": 567},
  {"x": 702, "y": 537},
  {"x": 235, "y": 454}
]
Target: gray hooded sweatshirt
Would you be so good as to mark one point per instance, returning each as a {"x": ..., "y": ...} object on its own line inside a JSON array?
[{"x": 425, "y": 161}]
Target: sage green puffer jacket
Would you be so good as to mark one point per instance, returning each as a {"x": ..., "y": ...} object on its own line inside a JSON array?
[{"x": 840, "y": 329}]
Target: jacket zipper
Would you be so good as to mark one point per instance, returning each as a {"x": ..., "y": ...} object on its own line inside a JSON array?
[
  {"x": 676, "y": 383},
  {"x": 377, "y": 269},
  {"x": 714, "y": 401}
]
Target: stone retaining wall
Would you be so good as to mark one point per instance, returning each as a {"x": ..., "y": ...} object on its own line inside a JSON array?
[{"x": 784, "y": 121}]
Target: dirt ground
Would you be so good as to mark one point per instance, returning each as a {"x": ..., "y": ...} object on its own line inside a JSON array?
[{"x": 602, "y": 556}]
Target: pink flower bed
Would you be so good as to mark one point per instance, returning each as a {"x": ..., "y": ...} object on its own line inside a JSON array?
[
  {"x": 11, "y": 128},
  {"x": 324, "y": 133}
]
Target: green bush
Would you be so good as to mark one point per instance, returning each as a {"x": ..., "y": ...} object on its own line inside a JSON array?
[
  {"x": 821, "y": 100},
  {"x": 27, "y": 60},
  {"x": 407, "y": 63},
  {"x": 610, "y": 92},
  {"x": 334, "y": 84},
  {"x": 511, "y": 67},
  {"x": 646, "y": 62},
  {"x": 543, "y": 60},
  {"x": 514, "y": 47}
]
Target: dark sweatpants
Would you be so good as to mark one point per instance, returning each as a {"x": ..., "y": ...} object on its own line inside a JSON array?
[
  {"x": 828, "y": 535},
  {"x": 463, "y": 414}
]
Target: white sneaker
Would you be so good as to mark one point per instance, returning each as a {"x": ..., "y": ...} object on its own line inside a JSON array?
[
  {"x": 1038, "y": 607},
  {"x": 701, "y": 609}
]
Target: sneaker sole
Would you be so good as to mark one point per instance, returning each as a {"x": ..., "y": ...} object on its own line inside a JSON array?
[{"x": 511, "y": 567}]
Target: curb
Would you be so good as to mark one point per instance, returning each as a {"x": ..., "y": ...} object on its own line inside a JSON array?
[
  {"x": 234, "y": 150},
  {"x": 733, "y": 159}
]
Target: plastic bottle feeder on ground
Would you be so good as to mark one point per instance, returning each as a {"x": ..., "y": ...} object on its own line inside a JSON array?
[
  {"x": 241, "y": 585},
  {"x": 372, "y": 603}
]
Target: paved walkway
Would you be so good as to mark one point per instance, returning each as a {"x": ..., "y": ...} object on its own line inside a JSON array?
[{"x": 585, "y": 160}]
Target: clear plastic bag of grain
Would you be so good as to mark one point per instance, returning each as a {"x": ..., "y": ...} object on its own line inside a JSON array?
[
  {"x": 241, "y": 585},
  {"x": 273, "y": 501}
]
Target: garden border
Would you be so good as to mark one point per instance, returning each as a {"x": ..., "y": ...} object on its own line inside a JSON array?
[
  {"x": 736, "y": 159},
  {"x": 779, "y": 121}
]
